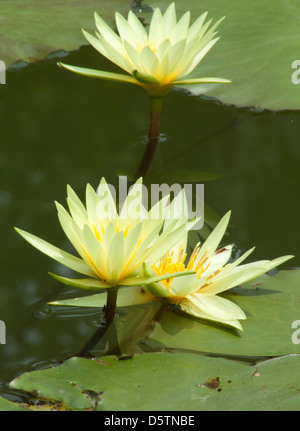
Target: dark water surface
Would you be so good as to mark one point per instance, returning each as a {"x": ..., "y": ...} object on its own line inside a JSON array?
[{"x": 58, "y": 128}]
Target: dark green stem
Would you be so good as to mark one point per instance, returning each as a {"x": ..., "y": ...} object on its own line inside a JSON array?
[
  {"x": 106, "y": 324},
  {"x": 153, "y": 137}
]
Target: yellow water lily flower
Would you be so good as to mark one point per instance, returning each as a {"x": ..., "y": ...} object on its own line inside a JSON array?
[
  {"x": 113, "y": 247},
  {"x": 156, "y": 59},
  {"x": 196, "y": 293}
]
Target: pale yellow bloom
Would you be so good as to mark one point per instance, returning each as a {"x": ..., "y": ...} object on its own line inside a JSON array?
[
  {"x": 113, "y": 247},
  {"x": 156, "y": 59},
  {"x": 196, "y": 293}
]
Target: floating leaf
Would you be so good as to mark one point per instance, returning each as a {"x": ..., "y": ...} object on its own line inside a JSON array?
[
  {"x": 259, "y": 42},
  {"x": 30, "y": 29},
  {"x": 271, "y": 304},
  {"x": 168, "y": 382}
]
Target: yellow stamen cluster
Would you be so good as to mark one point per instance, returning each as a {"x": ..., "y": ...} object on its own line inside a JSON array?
[{"x": 167, "y": 265}]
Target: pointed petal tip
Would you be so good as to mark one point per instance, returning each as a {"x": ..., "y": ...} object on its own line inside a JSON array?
[
  {"x": 225, "y": 219},
  {"x": 58, "y": 205},
  {"x": 63, "y": 65},
  {"x": 287, "y": 257},
  {"x": 85, "y": 32},
  {"x": 53, "y": 303}
]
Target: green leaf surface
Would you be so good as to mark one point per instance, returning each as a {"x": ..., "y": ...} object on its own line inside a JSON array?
[
  {"x": 271, "y": 304},
  {"x": 7, "y": 406},
  {"x": 31, "y": 29},
  {"x": 167, "y": 381},
  {"x": 259, "y": 42}
]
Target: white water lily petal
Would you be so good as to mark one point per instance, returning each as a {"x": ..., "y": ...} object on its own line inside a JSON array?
[
  {"x": 95, "y": 251},
  {"x": 183, "y": 286},
  {"x": 132, "y": 207},
  {"x": 194, "y": 310},
  {"x": 120, "y": 59},
  {"x": 158, "y": 210},
  {"x": 109, "y": 51},
  {"x": 162, "y": 51},
  {"x": 217, "y": 307},
  {"x": 71, "y": 230},
  {"x": 131, "y": 241},
  {"x": 143, "y": 250},
  {"x": 196, "y": 27},
  {"x": 81, "y": 283},
  {"x": 108, "y": 236},
  {"x": 156, "y": 30},
  {"x": 202, "y": 81},
  {"x": 199, "y": 56},
  {"x": 175, "y": 53},
  {"x": 241, "y": 274},
  {"x": 240, "y": 259},
  {"x": 197, "y": 294},
  {"x": 57, "y": 254},
  {"x": 109, "y": 76},
  {"x": 218, "y": 260},
  {"x": 180, "y": 30},
  {"x": 149, "y": 60},
  {"x": 112, "y": 250},
  {"x": 134, "y": 56},
  {"x": 177, "y": 210},
  {"x": 107, "y": 33},
  {"x": 115, "y": 258},
  {"x": 76, "y": 207},
  {"x": 106, "y": 207},
  {"x": 138, "y": 28},
  {"x": 125, "y": 30},
  {"x": 157, "y": 57},
  {"x": 126, "y": 297},
  {"x": 137, "y": 281},
  {"x": 212, "y": 242},
  {"x": 164, "y": 243},
  {"x": 92, "y": 201},
  {"x": 188, "y": 54},
  {"x": 210, "y": 33},
  {"x": 169, "y": 19}
]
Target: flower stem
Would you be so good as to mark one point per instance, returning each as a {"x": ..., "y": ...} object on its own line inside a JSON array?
[
  {"x": 106, "y": 323},
  {"x": 153, "y": 137}
]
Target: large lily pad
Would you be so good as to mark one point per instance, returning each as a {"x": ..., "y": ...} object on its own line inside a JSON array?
[
  {"x": 31, "y": 29},
  {"x": 259, "y": 42},
  {"x": 190, "y": 383},
  {"x": 271, "y": 303}
]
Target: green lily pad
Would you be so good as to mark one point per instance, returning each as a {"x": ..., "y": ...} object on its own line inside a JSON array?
[
  {"x": 7, "y": 406},
  {"x": 167, "y": 381},
  {"x": 31, "y": 29},
  {"x": 259, "y": 42},
  {"x": 271, "y": 304}
]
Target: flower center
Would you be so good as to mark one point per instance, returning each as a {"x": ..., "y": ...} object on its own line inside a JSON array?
[{"x": 167, "y": 265}]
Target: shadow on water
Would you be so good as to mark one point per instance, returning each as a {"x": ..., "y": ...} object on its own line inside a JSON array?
[{"x": 58, "y": 128}]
